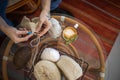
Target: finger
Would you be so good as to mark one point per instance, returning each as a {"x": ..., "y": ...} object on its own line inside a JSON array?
[
  {"x": 24, "y": 29},
  {"x": 22, "y": 39},
  {"x": 39, "y": 26},
  {"x": 22, "y": 32},
  {"x": 47, "y": 27},
  {"x": 20, "y": 28},
  {"x": 44, "y": 31}
]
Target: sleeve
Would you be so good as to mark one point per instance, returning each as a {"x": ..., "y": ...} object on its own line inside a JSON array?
[{"x": 3, "y": 5}]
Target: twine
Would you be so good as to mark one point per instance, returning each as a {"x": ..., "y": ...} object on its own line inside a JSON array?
[{"x": 36, "y": 41}]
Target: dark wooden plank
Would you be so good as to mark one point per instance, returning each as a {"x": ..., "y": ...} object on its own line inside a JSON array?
[{"x": 105, "y": 25}]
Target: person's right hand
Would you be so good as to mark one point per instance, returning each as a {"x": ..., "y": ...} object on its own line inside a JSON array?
[
  {"x": 44, "y": 23},
  {"x": 17, "y": 35}
]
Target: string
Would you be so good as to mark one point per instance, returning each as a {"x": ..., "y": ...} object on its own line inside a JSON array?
[
  {"x": 35, "y": 43},
  {"x": 35, "y": 54}
]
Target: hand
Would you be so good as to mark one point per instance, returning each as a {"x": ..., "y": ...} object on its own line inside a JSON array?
[
  {"x": 43, "y": 22},
  {"x": 16, "y": 35}
]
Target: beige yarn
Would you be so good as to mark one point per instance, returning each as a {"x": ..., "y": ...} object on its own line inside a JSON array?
[
  {"x": 70, "y": 68},
  {"x": 46, "y": 70}
]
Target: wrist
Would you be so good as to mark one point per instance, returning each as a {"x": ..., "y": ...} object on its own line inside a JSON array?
[
  {"x": 4, "y": 28},
  {"x": 44, "y": 14},
  {"x": 3, "y": 24},
  {"x": 48, "y": 16}
]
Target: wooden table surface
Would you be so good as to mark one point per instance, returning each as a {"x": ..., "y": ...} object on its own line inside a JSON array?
[{"x": 101, "y": 15}]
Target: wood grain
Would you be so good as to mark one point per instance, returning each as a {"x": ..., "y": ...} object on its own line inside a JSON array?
[{"x": 100, "y": 15}]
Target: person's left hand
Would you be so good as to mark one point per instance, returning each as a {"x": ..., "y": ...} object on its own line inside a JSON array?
[
  {"x": 43, "y": 22},
  {"x": 17, "y": 35}
]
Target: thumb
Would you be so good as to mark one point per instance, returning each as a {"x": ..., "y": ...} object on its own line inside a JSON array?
[
  {"x": 39, "y": 25},
  {"x": 22, "y": 32},
  {"x": 22, "y": 39}
]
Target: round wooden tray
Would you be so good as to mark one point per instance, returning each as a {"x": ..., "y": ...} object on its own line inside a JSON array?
[{"x": 86, "y": 44}]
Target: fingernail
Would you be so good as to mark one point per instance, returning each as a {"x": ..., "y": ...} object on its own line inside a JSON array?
[{"x": 29, "y": 32}]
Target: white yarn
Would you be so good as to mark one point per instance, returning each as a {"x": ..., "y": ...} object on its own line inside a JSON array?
[
  {"x": 50, "y": 54},
  {"x": 55, "y": 30}
]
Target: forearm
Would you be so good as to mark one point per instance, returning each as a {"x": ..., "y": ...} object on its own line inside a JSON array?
[
  {"x": 44, "y": 17},
  {"x": 45, "y": 4},
  {"x": 13, "y": 33},
  {"x": 3, "y": 25}
]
